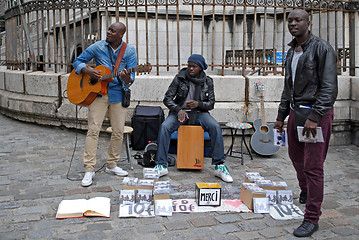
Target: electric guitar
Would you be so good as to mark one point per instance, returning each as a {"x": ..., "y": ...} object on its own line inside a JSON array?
[
  {"x": 82, "y": 89},
  {"x": 262, "y": 141}
]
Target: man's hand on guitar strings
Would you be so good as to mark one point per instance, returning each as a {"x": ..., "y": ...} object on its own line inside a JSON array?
[{"x": 125, "y": 76}]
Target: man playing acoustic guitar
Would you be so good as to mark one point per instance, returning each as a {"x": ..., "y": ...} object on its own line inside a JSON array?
[{"x": 105, "y": 53}]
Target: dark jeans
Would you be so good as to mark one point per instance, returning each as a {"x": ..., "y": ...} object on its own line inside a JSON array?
[
  {"x": 308, "y": 160},
  {"x": 204, "y": 119}
]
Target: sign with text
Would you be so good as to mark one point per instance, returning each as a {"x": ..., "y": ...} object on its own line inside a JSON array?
[
  {"x": 136, "y": 210},
  {"x": 285, "y": 212},
  {"x": 208, "y": 194}
]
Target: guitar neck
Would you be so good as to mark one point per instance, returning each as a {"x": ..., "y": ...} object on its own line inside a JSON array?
[
  {"x": 116, "y": 74},
  {"x": 263, "y": 115}
]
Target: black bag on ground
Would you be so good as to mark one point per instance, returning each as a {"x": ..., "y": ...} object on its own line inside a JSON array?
[
  {"x": 146, "y": 122},
  {"x": 149, "y": 155}
]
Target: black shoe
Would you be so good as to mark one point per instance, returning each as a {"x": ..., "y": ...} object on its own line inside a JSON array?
[
  {"x": 303, "y": 197},
  {"x": 306, "y": 229}
]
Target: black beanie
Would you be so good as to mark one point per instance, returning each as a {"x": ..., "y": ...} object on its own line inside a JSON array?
[{"x": 199, "y": 60}]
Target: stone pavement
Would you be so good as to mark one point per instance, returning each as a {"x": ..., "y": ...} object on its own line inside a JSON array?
[{"x": 34, "y": 161}]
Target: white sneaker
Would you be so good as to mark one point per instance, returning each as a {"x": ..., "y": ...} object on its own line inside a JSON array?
[
  {"x": 162, "y": 169},
  {"x": 87, "y": 180},
  {"x": 117, "y": 171},
  {"x": 221, "y": 171}
]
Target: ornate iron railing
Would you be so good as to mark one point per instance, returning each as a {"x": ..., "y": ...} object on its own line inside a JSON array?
[{"x": 232, "y": 34}]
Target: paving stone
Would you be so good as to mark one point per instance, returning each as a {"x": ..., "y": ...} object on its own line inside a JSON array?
[
  {"x": 325, "y": 224},
  {"x": 29, "y": 196},
  {"x": 345, "y": 231},
  {"x": 330, "y": 204},
  {"x": 99, "y": 227},
  {"x": 203, "y": 222},
  {"x": 69, "y": 230},
  {"x": 331, "y": 214},
  {"x": 248, "y": 235},
  {"x": 30, "y": 210},
  {"x": 41, "y": 234},
  {"x": 349, "y": 211},
  {"x": 25, "y": 218},
  {"x": 338, "y": 222},
  {"x": 252, "y": 225},
  {"x": 176, "y": 225},
  {"x": 324, "y": 234},
  {"x": 123, "y": 232},
  {"x": 348, "y": 202},
  {"x": 226, "y": 228},
  {"x": 148, "y": 236},
  {"x": 228, "y": 218},
  {"x": 229, "y": 236},
  {"x": 10, "y": 192},
  {"x": 175, "y": 235},
  {"x": 150, "y": 229},
  {"x": 272, "y": 232},
  {"x": 9, "y": 205},
  {"x": 13, "y": 235},
  {"x": 248, "y": 216},
  {"x": 92, "y": 235},
  {"x": 202, "y": 232},
  {"x": 102, "y": 189},
  {"x": 275, "y": 223},
  {"x": 78, "y": 191}
]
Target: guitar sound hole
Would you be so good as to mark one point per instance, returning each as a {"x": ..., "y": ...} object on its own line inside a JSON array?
[
  {"x": 264, "y": 129},
  {"x": 93, "y": 81}
]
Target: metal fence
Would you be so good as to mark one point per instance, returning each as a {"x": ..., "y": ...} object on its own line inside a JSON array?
[{"x": 234, "y": 35}]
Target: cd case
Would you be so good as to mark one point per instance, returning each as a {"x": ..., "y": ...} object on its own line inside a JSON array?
[
  {"x": 280, "y": 138},
  {"x": 310, "y": 139}
]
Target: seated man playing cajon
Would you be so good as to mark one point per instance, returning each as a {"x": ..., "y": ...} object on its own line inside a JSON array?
[{"x": 191, "y": 95}]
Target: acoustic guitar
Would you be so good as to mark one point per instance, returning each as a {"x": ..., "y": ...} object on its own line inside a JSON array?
[
  {"x": 82, "y": 89},
  {"x": 262, "y": 141}
]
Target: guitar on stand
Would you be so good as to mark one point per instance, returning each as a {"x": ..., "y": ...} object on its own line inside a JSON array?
[
  {"x": 82, "y": 89},
  {"x": 262, "y": 141}
]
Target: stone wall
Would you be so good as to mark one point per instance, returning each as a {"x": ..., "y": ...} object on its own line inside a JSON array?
[{"x": 40, "y": 97}]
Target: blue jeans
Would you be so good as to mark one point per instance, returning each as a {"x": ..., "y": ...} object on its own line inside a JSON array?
[{"x": 204, "y": 119}]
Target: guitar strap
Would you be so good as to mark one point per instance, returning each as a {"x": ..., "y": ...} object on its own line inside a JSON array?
[{"x": 119, "y": 57}]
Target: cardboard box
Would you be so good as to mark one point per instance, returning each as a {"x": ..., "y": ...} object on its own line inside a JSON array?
[
  {"x": 247, "y": 196},
  {"x": 272, "y": 188},
  {"x": 208, "y": 194},
  {"x": 129, "y": 187},
  {"x": 161, "y": 196}
]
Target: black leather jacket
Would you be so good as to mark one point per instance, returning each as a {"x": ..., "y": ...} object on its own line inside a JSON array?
[
  {"x": 177, "y": 93},
  {"x": 316, "y": 82}
]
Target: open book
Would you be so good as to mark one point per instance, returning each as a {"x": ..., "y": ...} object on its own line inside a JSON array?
[{"x": 94, "y": 207}]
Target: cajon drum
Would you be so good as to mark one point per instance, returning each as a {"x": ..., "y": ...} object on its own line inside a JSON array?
[{"x": 190, "y": 147}]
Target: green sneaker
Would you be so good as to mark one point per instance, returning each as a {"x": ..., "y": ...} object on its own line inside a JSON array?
[
  {"x": 222, "y": 172},
  {"x": 162, "y": 169}
]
